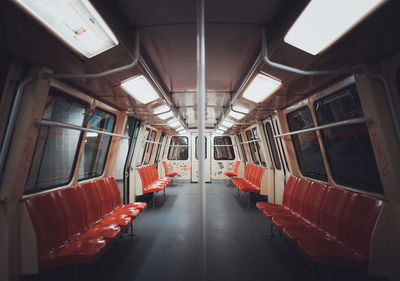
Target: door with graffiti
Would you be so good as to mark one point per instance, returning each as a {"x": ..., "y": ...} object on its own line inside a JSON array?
[{"x": 224, "y": 156}]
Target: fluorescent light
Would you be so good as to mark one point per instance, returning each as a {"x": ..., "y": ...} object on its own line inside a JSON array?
[
  {"x": 222, "y": 128},
  {"x": 140, "y": 89},
  {"x": 173, "y": 120},
  {"x": 227, "y": 123},
  {"x": 165, "y": 116},
  {"x": 236, "y": 115},
  {"x": 219, "y": 132},
  {"x": 261, "y": 87},
  {"x": 77, "y": 23},
  {"x": 174, "y": 124},
  {"x": 323, "y": 22},
  {"x": 182, "y": 132},
  {"x": 92, "y": 135},
  {"x": 161, "y": 109},
  {"x": 240, "y": 109},
  {"x": 180, "y": 129}
]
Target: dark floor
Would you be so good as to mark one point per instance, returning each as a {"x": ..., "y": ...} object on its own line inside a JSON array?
[{"x": 166, "y": 244}]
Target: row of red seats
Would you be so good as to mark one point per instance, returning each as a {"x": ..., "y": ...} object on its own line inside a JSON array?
[
  {"x": 331, "y": 225},
  {"x": 251, "y": 181},
  {"x": 150, "y": 179},
  {"x": 235, "y": 170},
  {"x": 74, "y": 224}
]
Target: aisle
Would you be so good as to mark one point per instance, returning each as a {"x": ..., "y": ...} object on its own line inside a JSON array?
[{"x": 166, "y": 243}]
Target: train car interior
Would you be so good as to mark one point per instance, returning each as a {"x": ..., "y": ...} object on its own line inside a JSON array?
[{"x": 105, "y": 106}]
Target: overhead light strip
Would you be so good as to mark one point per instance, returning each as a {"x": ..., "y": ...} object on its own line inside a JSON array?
[{"x": 75, "y": 22}]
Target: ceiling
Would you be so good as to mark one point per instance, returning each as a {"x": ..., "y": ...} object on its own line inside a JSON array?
[{"x": 168, "y": 47}]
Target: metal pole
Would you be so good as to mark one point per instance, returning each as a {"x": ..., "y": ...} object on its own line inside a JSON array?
[
  {"x": 201, "y": 92},
  {"x": 11, "y": 122}
]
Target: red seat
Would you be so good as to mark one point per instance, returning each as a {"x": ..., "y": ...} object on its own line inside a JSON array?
[
  {"x": 287, "y": 193},
  {"x": 350, "y": 247},
  {"x": 251, "y": 182},
  {"x": 234, "y": 173},
  {"x": 54, "y": 246},
  {"x": 167, "y": 173},
  {"x": 295, "y": 213},
  {"x": 150, "y": 180}
]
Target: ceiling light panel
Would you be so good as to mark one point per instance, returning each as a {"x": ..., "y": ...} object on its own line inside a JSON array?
[
  {"x": 165, "y": 116},
  {"x": 182, "y": 132},
  {"x": 76, "y": 22},
  {"x": 222, "y": 128},
  {"x": 219, "y": 132},
  {"x": 227, "y": 123},
  {"x": 323, "y": 22},
  {"x": 240, "y": 109},
  {"x": 236, "y": 115},
  {"x": 174, "y": 124},
  {"x": 161, "y": 109},
  {"x": 261, "y": 88},
  {"x": 140, "y": 89}
]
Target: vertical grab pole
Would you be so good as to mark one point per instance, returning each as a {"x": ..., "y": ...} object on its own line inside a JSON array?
[{"x": 201, "y": 92}]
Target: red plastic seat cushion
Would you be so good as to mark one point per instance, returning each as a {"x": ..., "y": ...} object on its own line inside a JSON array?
[{"x": 332, "y": 252}]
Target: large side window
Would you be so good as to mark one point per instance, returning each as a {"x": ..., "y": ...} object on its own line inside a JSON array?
[
  {"x": 252, "y": 147},
  {"x": 179, "y": 149},
  {"x": 306, "y": 144},
  {"x": 149, "y": 148},
  {"x": 56, "y": 148},
  {"x": 143, "y": 146},
  {"x": 159, "y": 148},
  {"x": 225, "y": 151},
  {"x": 258, "y": 148},
  {"x": 242, "y": 147},
  {"x": 272, "y": 146},
  {"x": 348, "y": 148},
  {"x": 281, "y": 148},
  {"x": 96, "y": 145}
]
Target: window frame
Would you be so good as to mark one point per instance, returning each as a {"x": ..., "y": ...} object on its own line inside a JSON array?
[
  {"x": 240, "y": 139},
  {"x": 159, "y": 146},
  {"x": 58, "y": 92},
  {"x": 226, "y": 147},
  {"x": 148, "y": 150},
  {"x": 274, "y": 154},
  {"x": 108, "y": 147},
  {"x": 169, "y": 150}
]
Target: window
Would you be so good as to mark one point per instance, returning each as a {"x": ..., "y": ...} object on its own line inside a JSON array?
[
  {"x": 254, "y": 154},
  {"x": 306, "y": 145},
  {"x": 281, "y": 149},
  {"x": 180, "y": 152},
  {"x": 134, "y": 139},
  {"x": 159, "y": 147},
  {"x": 255, "y": 150},
  {"x": 348, "y": 148},
  {"x": 56, "y": 148},
  {"x": 272, "y": 146},
  {"x": 242, "y": 147},
  {"x": 205, "y": 149},
  {"x": 96, "y": 145},
  {"x": 258, "y": 147},
  {"x": 225, "y": 152},
  {"x": 149, "y": 148},
  {"x": 143, "y": 146}
]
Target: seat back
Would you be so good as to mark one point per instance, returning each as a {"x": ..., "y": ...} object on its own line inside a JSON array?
[
  {"x": 259, "y": 175},
  {"x": 299, "y": 195},
  {"x": 48, "y": 221},
  {"x": 332, "y": 208},
  {"x": 288, "y": 190},
  {"x": 73, "y": 209},
  {"x": 313, "y": 201},
  {"x": 236, "y": 167},
  {"x": 91, "y": 202},
  {"x": 106, "y": 198},
  {"x": 165, "y": 167},
  {"x": 358, "y": 221},
  {"x": 115, "y": 190}
]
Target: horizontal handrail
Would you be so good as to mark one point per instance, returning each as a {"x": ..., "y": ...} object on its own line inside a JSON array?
[
  {"x": 50, "y": 123},
  {"x": 332, "y": 125}
]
